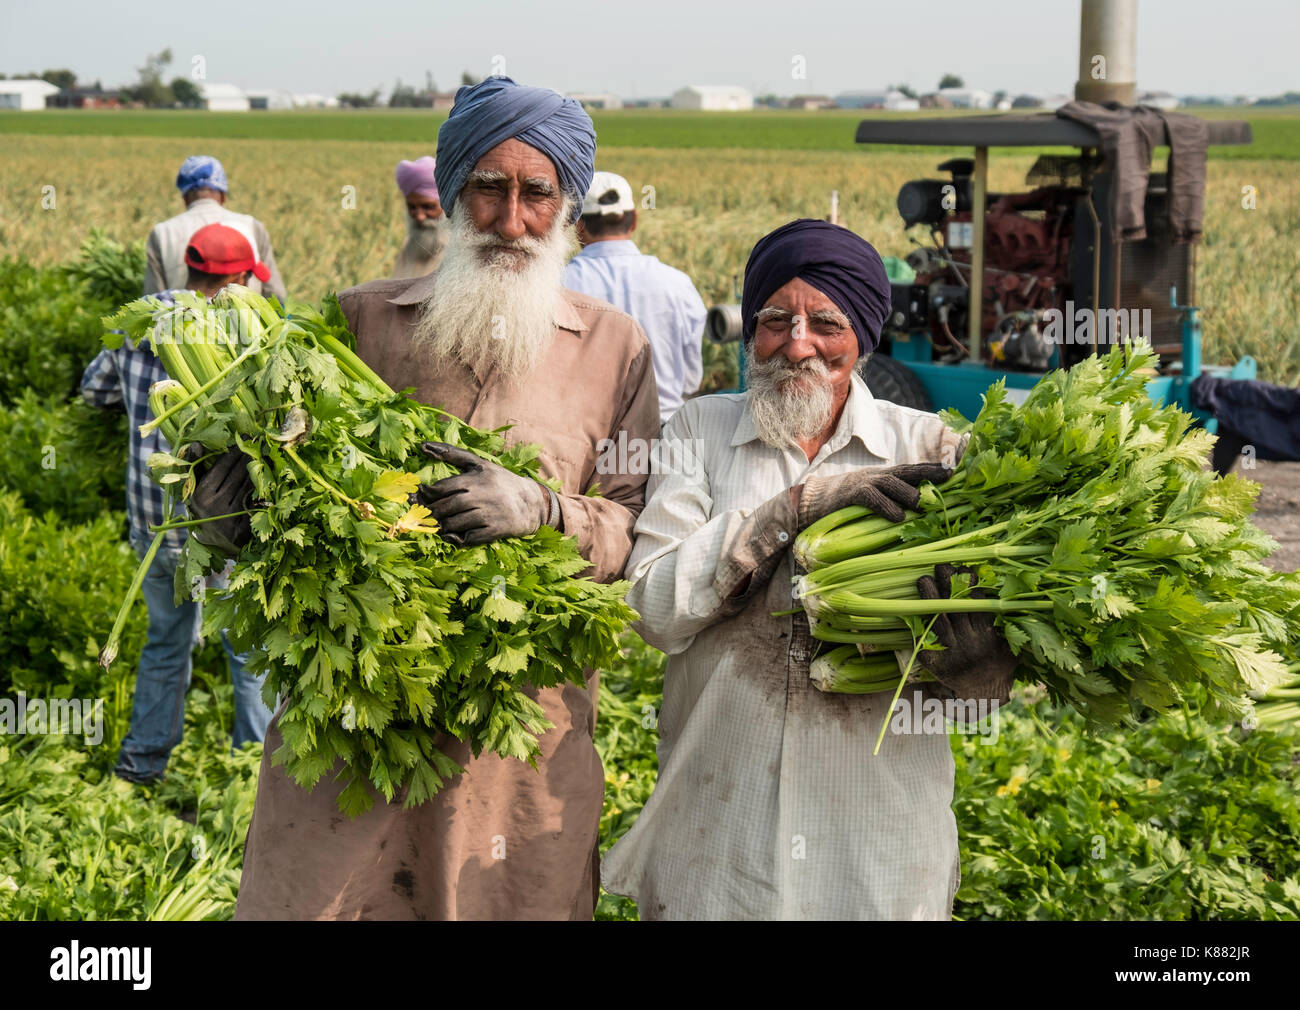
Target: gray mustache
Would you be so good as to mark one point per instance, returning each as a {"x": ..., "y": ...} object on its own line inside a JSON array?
[{"x": 813, "y": 366}]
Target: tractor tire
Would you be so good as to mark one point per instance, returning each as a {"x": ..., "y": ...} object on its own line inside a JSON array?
[{"x": 893, "y": 381}]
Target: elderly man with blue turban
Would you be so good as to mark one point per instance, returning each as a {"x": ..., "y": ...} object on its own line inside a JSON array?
[
  {"x": 493, "y": 337},
  {"x": 769, "y": 803},
  {"x": 203, "y": 186}
]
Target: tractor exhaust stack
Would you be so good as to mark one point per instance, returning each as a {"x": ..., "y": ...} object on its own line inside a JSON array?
[{"x": 1107, "y": 52}]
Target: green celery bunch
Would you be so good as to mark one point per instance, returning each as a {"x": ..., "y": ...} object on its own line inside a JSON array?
[
  {"x": 110, "y": 271},
  {"x": 1122, "y": 573},
  {"x": 846, "y": 671},
  {"x": 1279, "y": 705},
  {"x": 384, "y": 640}
]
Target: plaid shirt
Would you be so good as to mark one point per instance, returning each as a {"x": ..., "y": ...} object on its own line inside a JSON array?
[{"x": 121, "y": 379}]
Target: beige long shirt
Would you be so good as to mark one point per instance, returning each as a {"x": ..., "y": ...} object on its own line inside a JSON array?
[
  {"x": 502, "y": 840},
  {"x": 165, "y": 251},
  {"x": 769, "y": 803}
]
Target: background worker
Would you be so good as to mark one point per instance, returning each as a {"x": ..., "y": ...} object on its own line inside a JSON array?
[
  {"x": 426, "y": 224},
  {"x": 120, "y": 379},
  {"x": 202, "y": 182},
  {"x": 662, "y": 299}
]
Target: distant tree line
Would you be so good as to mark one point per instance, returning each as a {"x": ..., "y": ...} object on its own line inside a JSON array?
[
  {"x": 1288, "y": 98},
  {"x": 59, "y": 78},
  {"x": 152, "y": 90},
  {"x": 149, "y": 89},
  {"x": 403, "y": 96}
]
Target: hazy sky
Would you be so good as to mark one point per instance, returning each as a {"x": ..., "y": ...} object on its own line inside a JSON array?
[{"x": 651, "y": 48}]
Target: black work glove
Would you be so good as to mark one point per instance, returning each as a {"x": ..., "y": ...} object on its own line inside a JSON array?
[
  {"x": 976, "y": 662},
  {"x": 225, "y": 488},
  {"x": 771, "y": 527},
  {"x": 485, "y": 501},
  {"x": 885, "y": 490}
]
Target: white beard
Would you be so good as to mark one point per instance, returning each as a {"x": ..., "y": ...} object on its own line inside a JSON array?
[
  {"x": 428, "y": 239},
  {"x": 789, "y": 402},
  {"x": 496, "y": 311}
]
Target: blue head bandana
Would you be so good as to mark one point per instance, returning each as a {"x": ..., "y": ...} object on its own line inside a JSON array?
[
  {"x": 201, "y": 170},
  {"x": 841, "y": 265},
  {"x": 496, "y": 110}
]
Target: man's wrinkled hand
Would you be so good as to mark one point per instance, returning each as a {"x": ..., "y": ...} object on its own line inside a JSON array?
[
  {"x": 975, "y": 662},
  {"x": 886, "y": 491},
  {"x": 225, "y": 488},
  {"x": 484, "y": 502}
]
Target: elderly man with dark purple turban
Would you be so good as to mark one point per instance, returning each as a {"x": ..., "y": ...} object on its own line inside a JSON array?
[
  {"x": 769, "y": 802},
  {"x": 493, "y": 337}
]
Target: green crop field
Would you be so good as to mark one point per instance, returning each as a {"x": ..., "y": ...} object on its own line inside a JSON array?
[
  {"x": 704, "y": 208},
  {"x": 1277, "y": 131}
]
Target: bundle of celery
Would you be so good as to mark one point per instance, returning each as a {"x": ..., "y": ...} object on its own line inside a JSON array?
[
  {"x": 1120, "y": 571},
  {"x": 381, "y": 635},
  {"x": 1279, "y": 705}
]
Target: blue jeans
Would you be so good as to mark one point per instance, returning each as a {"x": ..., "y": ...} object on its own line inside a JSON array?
[{"x": 158, "y": 708}]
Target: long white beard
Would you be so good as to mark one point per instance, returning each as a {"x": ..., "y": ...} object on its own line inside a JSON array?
[
  {"x": 789, "y": 402},
  {"x": 427, "y": 239},
  {"x": 495, "y": 310}
]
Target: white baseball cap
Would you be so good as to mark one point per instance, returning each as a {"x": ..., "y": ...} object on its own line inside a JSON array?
[{"x": 609, "y": 194}]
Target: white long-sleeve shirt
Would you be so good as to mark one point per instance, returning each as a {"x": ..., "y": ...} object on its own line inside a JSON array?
[
  {"x": 769, "y": 803},
  {"x": 659, "y": 297}
]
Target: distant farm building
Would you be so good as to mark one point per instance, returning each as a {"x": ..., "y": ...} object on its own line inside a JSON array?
[
  {"x": 223, "y": 98},
  {"x": 84, "y": 98},
  {"x": 597, "y": 101},
  {"x": 313, "y": 101},
  {"x": 1158, "y": 99},
  {"x": 891, "y": 99},
  {"x": 713, "y": 98},
  {"x": 811, "y": 102},
  {"x": 269, "y": 98},
  {"x": 26, "y": 94},
  {"x": 967, "y": 98}
]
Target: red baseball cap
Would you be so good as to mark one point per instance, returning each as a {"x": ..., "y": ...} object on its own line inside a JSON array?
[{"x": 220, "y": 250}]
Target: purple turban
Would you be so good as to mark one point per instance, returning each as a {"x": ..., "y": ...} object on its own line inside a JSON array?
[
  {"x": 496, "y": 110},
  {"x": 841, "y": 265},
  {"x": 417, "y": 177}
]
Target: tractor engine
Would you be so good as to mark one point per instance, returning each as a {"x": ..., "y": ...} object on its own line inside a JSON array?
[{"x": 1028, "y": 240}]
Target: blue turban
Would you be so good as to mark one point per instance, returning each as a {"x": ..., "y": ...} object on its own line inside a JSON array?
[
  {"x": 201, "y": 170},
  {"x": 841, "y": 265},
  {"x": 496, "y": 110}
]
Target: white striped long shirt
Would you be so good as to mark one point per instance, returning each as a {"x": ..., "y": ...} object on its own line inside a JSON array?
[{"x": 769, "y": 803}]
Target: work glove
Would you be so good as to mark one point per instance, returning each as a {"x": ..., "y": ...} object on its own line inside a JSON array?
[
  {"x": 975, "y": 663},
  {"x": 224, "y": 489},
  {"x": 485, "y": 501},
  {"x": 771, "y": 527},
  {"x": 887, "y": 491}
]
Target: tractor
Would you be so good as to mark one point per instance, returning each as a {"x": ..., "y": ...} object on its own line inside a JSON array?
[{"x": 996, "y": 288}]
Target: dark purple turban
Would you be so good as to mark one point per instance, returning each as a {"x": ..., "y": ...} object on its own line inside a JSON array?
[{"x": 841, "y": 265}]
